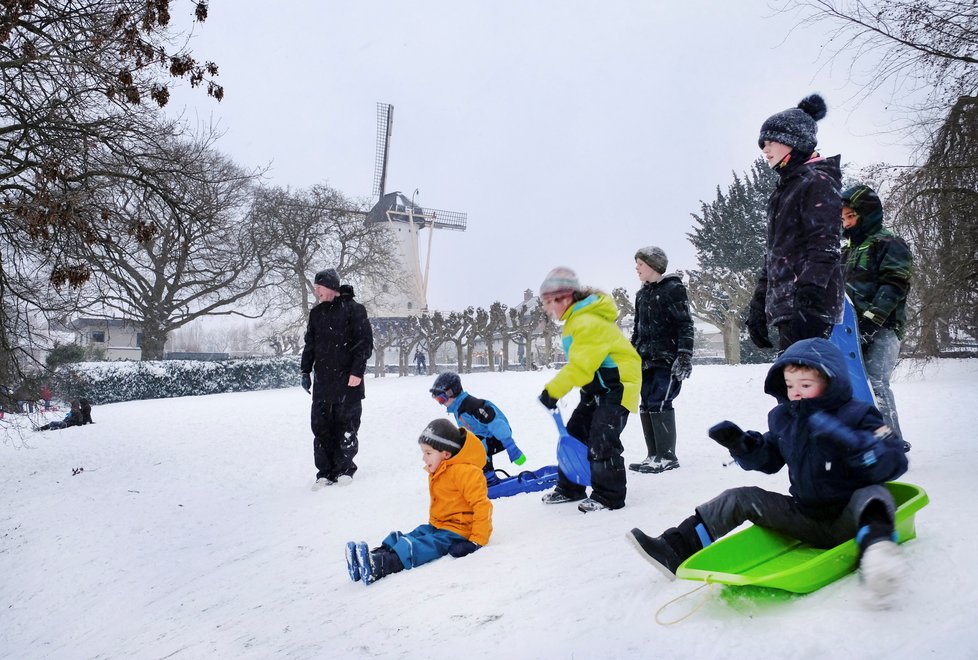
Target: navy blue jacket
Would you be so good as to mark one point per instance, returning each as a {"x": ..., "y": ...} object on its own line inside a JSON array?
[
  {"x": 804, "y": 235},
  {"x": 663, "y": 324},
  {"x": 822, "y": 476}
]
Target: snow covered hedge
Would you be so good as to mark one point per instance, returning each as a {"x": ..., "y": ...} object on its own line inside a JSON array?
[{"x": 110, "y": 382}]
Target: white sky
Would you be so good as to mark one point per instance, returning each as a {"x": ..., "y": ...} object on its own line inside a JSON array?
[{"x": 572, "y": 133}]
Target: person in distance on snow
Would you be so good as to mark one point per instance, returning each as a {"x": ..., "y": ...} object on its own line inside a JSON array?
[
  {"x": 481, "y": 417},
  {"x": 602, "y": 362},
  {"x": 800, "y": 287},
  {"x": 338, "y": 342},
  {"x": 878, "y": 266},
  {"x": 460, "y": 514},
  {"x": 839, "y": 453},
  {"x": 79, "y": 415},
  {"x": 663, "y": 337}
]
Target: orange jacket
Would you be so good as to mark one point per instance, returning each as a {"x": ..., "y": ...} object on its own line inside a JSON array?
[{"x": 459, "y": 495}]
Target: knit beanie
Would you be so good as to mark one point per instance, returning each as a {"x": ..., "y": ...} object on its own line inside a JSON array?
[
  {"x": 442, "y": 435},
  {"x": 328, "y": 278},
  {"x": 655, "y": 257},
  {"x": 795, "y": 127},
  {"x": 560, "y": 280}
]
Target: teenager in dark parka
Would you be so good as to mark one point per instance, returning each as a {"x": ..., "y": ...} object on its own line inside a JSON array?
[{"x": 800, "y": 287}]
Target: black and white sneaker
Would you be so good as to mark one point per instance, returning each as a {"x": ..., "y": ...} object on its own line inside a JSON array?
[
  {"x": 588, "y": 505},
  {"x": 557, "y": 497},
  {"x": 322, "y": 482}
]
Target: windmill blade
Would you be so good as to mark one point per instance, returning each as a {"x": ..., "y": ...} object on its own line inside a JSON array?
[
  {"x": 446, "y": 219},
  {"x": 385, "y": 121}
]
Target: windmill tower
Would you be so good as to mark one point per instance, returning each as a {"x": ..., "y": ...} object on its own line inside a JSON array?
[{"x": 406, "y": 220}]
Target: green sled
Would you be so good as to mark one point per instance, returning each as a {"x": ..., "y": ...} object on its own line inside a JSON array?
[{"x": 758, "y": 557}]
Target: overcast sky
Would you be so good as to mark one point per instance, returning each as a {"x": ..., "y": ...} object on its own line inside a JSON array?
[{"x": 572, "y": 133}]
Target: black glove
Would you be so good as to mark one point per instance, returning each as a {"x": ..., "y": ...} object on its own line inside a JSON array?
[
  {"x": 306, "y": 382},
  {"x": 828, "y": 429},
  {"x": 734, "y": 438},
  {"x": 757, "y": 325},
  {"x": 548, "y": 401},
  {"x": 462, "y": 548},
  {"x": 867, "y": 330},
  {"x": 683, "y": 366},
  {"x": 806, "y": 321}
]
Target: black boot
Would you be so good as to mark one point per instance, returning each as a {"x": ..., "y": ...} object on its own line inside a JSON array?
[
  {"x": 377, "y": 563},
  {"x": 648, "y": 430},
  {"x": 675, "y": 546},
  {"x": 665, "y": 441}
]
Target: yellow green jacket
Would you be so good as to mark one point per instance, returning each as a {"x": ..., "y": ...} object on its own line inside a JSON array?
[
  {"x": 459, "y": 494},
  {"x": 600, "y": 359}
]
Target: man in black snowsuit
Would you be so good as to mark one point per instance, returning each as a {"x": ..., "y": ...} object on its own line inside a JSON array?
[
  {"x": 800, "y": 287},
  {"x": 338, "y": 343}
]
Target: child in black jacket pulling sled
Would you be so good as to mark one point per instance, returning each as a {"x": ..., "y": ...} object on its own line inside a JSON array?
[{"x": 839, "y": 453}]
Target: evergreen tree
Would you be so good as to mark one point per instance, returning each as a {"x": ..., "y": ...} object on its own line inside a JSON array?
[{"x": 730, "y": 240}]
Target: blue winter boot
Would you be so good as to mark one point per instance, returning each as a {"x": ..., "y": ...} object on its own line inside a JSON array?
[{"x": 352, "y": 565}]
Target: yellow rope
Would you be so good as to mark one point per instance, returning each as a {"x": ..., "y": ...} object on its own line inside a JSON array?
[{"x": 658, "y": 614}]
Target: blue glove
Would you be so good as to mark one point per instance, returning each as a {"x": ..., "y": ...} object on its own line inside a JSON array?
[
  {"x": 548, "y": 401},
  {"x": 828, "y": 429},
  {"x": 734, "y": 438},
  {"x": 462, "y": 548},
  {"x": 306, "y": 382},
  {"x": 515, "y": 455}
]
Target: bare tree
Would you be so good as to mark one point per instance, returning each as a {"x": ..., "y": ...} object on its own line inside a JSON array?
[
  {"x": 179, "y": 264},
  {"x": 925, "y": 46},
  {"x": 78, "y": 76}
]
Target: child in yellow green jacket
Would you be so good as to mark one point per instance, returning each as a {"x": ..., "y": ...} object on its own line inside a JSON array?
[{"x": 603, "y": 364}]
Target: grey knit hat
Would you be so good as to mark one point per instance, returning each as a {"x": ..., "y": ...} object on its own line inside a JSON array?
[
  {"x": 655, "y": 257},
  {"x": 442, "y": 435},
  {"x": 795, "y": 127},
  {"x": 560, "y": 280},
  {"x": 328, "y": 278}
]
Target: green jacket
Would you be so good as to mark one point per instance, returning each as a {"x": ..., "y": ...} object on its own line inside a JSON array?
[
  {"x": 600, "y": 359},
  {"x": 878, "y": 266}
]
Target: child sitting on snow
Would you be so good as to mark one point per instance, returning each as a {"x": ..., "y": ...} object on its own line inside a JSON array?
[
  {"x": 839, "y": 453},
  {"x": 79, "y": 415},
  {"x": 482, "y": 417},
  {"x": 460, "y": 515}
]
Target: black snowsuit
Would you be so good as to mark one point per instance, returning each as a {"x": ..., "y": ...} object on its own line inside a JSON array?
[
  {"x": 338, "y": 343},
  {"x": 804, "y": 229}
]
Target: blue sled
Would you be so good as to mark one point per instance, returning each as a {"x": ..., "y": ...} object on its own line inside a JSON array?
[
  {"x": 525, "y": 482},
  {"x": 572, "y": 454},
  {"x": 845, "y": 336}
]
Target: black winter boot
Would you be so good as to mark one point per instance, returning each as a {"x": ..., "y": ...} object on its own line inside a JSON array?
[
  {"x": 675, "y": 546},
  {"x": 648, "y": 430},
  {"x": 377, "y": 563},
  {"x": 665, "y": 441}
]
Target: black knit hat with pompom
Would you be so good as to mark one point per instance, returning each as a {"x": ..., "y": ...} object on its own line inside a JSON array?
[{"x": 795, "y": 127}]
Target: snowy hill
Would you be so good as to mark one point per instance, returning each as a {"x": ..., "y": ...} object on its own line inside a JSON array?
[{"x": 192, "y": 532}]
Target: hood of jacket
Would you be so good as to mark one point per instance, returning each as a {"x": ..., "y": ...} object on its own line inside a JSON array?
[
  {"x": 820, "y": 354},
  {"x": 599, "y": 304},
  {"x": 471, "y": 453}
]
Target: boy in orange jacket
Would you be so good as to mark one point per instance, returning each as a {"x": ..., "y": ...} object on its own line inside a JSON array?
[{"x": 460, "y": 515}]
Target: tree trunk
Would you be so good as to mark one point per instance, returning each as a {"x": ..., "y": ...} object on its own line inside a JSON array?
[
  {"x": 490, "y": 353},
  {"x": 731, "y": 340},
  {"x": 154, "y": 342}
]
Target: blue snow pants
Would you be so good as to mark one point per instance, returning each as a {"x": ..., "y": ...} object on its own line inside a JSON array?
[{"x": 422, "y": 544}]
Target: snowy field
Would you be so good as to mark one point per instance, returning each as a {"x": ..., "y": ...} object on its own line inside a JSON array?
[{"x": 192, "y": 532}]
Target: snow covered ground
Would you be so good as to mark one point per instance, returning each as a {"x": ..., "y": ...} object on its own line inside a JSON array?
[{"x": 192, "y": 532}]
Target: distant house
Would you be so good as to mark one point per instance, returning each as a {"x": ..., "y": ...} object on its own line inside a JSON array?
[{"x": 120, "y": 339}]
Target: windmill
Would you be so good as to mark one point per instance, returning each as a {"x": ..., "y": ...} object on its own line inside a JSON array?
[{"x": 406, "y": 220}]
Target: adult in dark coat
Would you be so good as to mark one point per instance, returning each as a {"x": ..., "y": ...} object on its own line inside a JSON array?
[
  {"x": 338, "y": 343},
  {"x": 800, "y": 287}
]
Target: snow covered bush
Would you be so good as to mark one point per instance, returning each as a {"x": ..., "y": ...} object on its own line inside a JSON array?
[{"x": 110, "y": 382}]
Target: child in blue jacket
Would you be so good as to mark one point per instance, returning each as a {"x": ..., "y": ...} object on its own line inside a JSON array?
[
  {"x": 483, "y": 418},
  {"x": 839, "y": 453}
]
